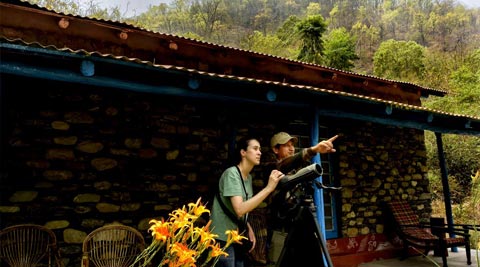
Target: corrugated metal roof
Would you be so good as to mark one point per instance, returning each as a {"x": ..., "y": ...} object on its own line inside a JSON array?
[
  {"x": 239, "y": 78},
  {"x": 42, "y": 29},
  {"x": 124, "y": 25}
]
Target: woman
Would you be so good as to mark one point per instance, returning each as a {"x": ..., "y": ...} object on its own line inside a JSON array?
[{"x": 236, "y": 192}]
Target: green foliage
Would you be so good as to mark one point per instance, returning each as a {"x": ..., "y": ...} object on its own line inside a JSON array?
[
  {"x": 310, "y": 31},
  {"x": 343, "y": 14},
  {"x": 208, "y": 16},
  {"x": 154, "y": 19},
  {"x": 287, "y": 32},
  {"x": 461, "y": 152},
  {"x": 449, "y": 27},
  {"x": 461, "y": 158},
  {"x": 339, "y": 50},
  {"x": 438, "y": 66},
  {"x": 313, "y": 9},
  {"x": 402, "y": 60},
  {"x": 464, "y": 83},
  {"x": 367, "y": 40},
  {"x": 66, "y": 6},
  {"x": 466, "y": 212},
  {"x": 270, "y": 44}
]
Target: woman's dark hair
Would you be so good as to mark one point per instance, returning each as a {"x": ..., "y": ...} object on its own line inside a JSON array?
[{"x": 241, "y": 144}]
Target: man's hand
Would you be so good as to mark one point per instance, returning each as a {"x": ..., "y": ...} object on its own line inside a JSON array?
[{"x": 325, "y": 146}]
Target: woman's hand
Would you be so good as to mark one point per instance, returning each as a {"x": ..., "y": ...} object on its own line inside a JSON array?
[
  {"x": 274, "y": 178},
  {"x": 251, "y": 236}
]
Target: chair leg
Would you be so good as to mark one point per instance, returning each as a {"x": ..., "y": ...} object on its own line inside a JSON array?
[
  {"x": 443, "y": 249},
  {"x": 467, "y": 251},
  {"x": 444, "y": 260},
  {"x": 427, "y": 249},
  {"x": 85, "y": 261},
  {"x": 404, "y": 252}
]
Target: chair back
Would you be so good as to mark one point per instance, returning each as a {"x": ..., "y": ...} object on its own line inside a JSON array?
[
  {"x": 28, "y": 245},
  {"x": 258, "y": 222},
  {"x": 417, "y": 235},
  {"x": 112, "y": 246},
  {"x": 403, "y": 213}
]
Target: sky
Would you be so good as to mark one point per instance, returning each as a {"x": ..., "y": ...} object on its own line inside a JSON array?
[
  {"x": 470, "y": 3},
  {"x": 135, "y": 7},
  {"x": 130, "y": 7}
]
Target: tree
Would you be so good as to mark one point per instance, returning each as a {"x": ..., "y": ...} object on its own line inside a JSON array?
[
  {"x": 209, "y": 15},
  {"x": 287, "y": 32},
  {"x": 313, "y": 9},
  {"x": 339, "y": 50},
  {"x": 403, "y": 60},
  {"x": 462, "y": 152},
  {"x": 268, "y": 44},
  {"x": 464, "y": 83},
  {"x": 263, "y": 20},
  {"x": 367, "y": 41},
  {"x": 311, "y": 30},
  {"x": 450, "y": 28},
  {"x": 156, "y": 19},
  {"x": 66, "y": 6}
]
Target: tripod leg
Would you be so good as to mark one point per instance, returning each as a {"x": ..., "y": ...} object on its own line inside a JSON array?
[
  {"x": 289, "y": 255},
  {"x": 304, "y": 244},
  {"x": 321, "y": 240},
  {"x": 282, "y": 259}
]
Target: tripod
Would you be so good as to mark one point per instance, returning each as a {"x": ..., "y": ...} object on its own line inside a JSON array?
[{"x": 304, "y": 244}]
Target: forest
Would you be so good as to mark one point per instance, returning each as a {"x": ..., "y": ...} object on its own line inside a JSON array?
[{"x": 432, "y": 43}]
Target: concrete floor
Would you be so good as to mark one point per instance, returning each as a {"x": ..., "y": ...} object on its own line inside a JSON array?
[{"x": 454, "y": 259}]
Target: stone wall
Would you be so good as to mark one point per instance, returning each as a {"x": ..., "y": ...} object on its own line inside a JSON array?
[
  {"x": 375, "y": 165},
  {"x": 77, "y": 158}
]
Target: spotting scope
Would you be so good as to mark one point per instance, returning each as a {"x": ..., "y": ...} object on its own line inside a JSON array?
[{"x": 305, "y": 174}]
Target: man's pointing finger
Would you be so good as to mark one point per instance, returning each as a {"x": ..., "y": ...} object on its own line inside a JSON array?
[{"x": 333, "y": 138}]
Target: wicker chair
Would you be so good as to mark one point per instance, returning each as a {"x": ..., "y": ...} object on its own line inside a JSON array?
[
  {"x": 258, "y": 222},
  {"x": 112, "y": 246},
  {"x": 29, "y": 245},
  {"x": 419, "y": 235}
]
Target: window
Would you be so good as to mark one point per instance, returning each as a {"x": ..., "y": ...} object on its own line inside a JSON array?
[{"x": 329, "y": 198}]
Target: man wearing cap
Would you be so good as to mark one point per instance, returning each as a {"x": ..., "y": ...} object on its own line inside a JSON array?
[
  {"x": 283, "y": 145},
  {"x": 288, "y": 162}
]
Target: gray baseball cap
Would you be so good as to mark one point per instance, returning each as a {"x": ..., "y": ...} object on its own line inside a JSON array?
[{"x": 281, "y": 138}]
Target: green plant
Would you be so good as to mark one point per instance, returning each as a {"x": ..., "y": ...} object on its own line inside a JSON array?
[{"x": 475, "y": 202}]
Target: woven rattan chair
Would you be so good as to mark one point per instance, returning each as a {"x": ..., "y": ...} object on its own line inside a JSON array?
[
  {"x": 112, "y": 246},
  {"x": 29, "y": 245},
  {"x": 258, "y": 222},
  {"x": 419, "y": 235}
]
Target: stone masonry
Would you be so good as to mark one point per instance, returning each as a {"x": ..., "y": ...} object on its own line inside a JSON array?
[{"x": 79, "y": 158}]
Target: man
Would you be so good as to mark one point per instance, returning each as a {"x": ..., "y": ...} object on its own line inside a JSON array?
[
  {"x": 282, "y": 206},
  {"x": 283, "y": 145}
]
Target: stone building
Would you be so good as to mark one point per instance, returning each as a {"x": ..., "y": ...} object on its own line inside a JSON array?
[{"x": 104, "y": 122}]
